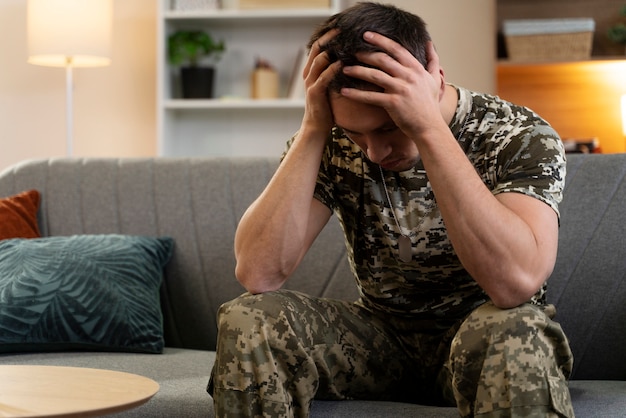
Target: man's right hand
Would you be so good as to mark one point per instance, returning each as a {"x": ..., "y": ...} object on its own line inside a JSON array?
[
  {"x": 279, "y": 227},
  {"x": 317, "y": 74}
]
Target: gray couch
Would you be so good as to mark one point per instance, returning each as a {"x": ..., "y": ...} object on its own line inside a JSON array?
[{"x": 199, "y": 201}]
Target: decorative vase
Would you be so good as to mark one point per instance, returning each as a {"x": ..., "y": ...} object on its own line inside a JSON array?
[{"x": 197, "y": 82}]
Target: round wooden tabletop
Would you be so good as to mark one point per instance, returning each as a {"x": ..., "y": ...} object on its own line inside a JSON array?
[{"x": 51, "y": 391}]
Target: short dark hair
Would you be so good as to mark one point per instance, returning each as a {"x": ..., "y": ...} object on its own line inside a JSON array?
[{"x": 403, "y": 27}]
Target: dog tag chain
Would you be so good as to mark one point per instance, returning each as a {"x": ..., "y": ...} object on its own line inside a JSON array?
[{"x": 405, "y": 246}]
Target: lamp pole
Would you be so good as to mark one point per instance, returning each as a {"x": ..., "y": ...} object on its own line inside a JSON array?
[
  {"x": 69, "y": 107},
  {"x": 69, "y": 33}
]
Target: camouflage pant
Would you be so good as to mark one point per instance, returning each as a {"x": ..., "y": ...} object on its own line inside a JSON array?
[{"x": 279, "y": 350}]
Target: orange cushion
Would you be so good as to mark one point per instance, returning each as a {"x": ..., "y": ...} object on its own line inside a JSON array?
[{"x": 18, "y": 215}]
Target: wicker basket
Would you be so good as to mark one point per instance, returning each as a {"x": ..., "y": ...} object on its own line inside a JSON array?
[{"x": 549, "y": 39}]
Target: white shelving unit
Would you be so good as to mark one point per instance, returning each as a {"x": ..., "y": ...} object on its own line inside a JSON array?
[{"x": 232, "y": 124}]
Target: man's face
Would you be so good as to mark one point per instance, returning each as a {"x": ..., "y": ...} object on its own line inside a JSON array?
[{"x": 372, "y": 130}]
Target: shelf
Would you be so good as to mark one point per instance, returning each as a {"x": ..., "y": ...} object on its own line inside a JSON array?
[
  {"x": 580, "y": 99},
  {"x": 233, "y": 123},
  {"x": 230, "y": 104},
  {"x": 269, "y": 14},
  {"x": 592, "y": 59}
]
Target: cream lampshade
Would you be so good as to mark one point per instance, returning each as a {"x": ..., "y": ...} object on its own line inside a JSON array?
[{"x": 69, "y": 33}]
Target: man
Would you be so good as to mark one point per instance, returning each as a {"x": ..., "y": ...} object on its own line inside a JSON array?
[{"x": 449, "y": 203}]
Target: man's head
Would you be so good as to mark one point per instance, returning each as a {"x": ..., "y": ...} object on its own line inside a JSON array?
[{"x": 403, "y": 27}]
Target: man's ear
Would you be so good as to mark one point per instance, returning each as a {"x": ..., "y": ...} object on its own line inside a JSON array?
[
  {"x": 442, "y": 86},
  {"x": 434, "y": 68}
]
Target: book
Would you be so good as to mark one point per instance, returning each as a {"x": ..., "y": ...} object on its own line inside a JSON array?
[{"x": 296, "y": 89}]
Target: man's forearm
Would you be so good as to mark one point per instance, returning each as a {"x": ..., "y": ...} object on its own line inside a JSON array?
[
  {"x": 273, "y": 234},
  {"x": 506, "y": 242}
]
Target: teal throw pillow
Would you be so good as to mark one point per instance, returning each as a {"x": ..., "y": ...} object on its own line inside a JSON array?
[{"x": 82, "y": 292}]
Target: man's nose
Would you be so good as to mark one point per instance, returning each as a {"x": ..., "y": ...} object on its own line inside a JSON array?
[{"x": 377, "y": 150}]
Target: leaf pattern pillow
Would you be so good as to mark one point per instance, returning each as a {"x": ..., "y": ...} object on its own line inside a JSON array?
[{"x": 85, "y": 292}]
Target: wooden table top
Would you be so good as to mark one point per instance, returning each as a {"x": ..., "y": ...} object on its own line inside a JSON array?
[{"x": 51, "y": 391}]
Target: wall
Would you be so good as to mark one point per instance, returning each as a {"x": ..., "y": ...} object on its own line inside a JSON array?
[
  {"x": 114, "y": 107},
  {"x": 463, "y": 32}
]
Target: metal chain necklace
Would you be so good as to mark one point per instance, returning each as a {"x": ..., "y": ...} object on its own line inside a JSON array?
[
  {"x": 405, "y": 252},
  {"x": 405, "y": 246}
]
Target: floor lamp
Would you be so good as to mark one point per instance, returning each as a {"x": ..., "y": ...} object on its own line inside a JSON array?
[{"x": 70, "y": 34}]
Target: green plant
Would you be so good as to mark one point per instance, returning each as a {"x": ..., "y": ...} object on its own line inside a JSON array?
[
  {"x": 617, "y": 33},
  {"x": 188, "y": 47}
]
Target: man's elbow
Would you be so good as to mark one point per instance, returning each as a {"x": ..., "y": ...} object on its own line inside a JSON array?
[
  {"x": 255, "y": 280},
  {"x": 518, "y": 292}
]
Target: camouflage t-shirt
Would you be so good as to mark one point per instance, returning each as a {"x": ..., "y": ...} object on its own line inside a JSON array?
[{"x": 512, "y": 149}]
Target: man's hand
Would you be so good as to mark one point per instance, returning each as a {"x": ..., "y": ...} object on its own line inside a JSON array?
[
  {"x": 317, "y": 73},
  {"x": 411, "y": 93},
  {"x": 277, "y": 230}
]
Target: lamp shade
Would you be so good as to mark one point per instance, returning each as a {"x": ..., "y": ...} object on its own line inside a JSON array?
[{"x": 69, "y": 31}]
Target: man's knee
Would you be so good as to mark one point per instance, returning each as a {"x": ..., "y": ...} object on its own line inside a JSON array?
[
  {"x": 255, "y": 323},
  {"x": 251, "y": 310},
  {"x": 510, "y": 358},
  {"x": 526, "y": 331}
]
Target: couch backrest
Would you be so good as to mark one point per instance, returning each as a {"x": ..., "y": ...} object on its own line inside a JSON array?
[
  {"x": 588, "y": 285},
  {"x": 199, "y": 201}
]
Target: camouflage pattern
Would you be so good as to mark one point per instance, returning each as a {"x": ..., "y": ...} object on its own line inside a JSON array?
[
  {"x": 280, "y": 350},
  {"x": 512, "y": 149},
  {"x": 511, "y": 362},
  {"x": 423, "y": 331}
]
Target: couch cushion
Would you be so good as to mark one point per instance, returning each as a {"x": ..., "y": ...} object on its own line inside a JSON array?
[
  {"x": 183, "y": 374},
  {"x": 588, "y": 285},
  {"x": 95, "y": 292},
  {"x": 18, "y": 215}
]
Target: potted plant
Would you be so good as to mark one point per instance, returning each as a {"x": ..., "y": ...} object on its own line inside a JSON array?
[
  {"x": 190, "y": 49},
  {"x": 617, "y": 32}
]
